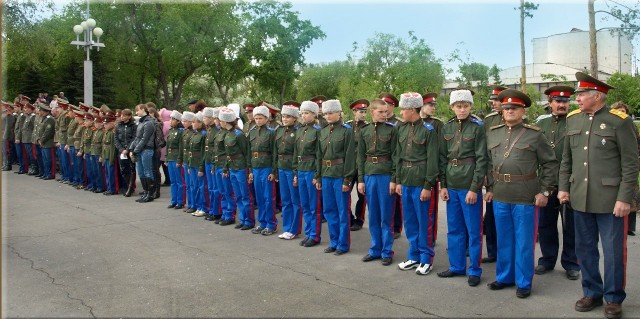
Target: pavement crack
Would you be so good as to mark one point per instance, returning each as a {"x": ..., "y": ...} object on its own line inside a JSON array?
[
  {"x": 344, "y": 287},
  {"x": 53, "y": 280},
  {"x": 171, "y": 239}
]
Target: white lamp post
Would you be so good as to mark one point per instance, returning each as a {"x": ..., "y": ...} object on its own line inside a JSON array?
[{"x": 88, "y": 29}]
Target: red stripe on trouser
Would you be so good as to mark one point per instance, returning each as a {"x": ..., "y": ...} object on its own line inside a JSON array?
[
  {"x": 430, "y": 223},
  {"x": 24, "y": 155},
  {"x": 184, "y": 187},
  {"x": 53, "y": 163},
  {"x": 535, "y": 235},
  {"x": 318, "y": 213},
  {"x": 274, "y": 220},
  {"x": 349, "y": 221},
  {"x": 251, "y": 215},
  {"x": 624, "y": 251},
  {"x": 33, "y": 152},
  {"x": 434, "y": 207},
  {"x": 85, "y": 182},
  {"x": 481, "y": 230},
  {"x": 104, "y": 175}
]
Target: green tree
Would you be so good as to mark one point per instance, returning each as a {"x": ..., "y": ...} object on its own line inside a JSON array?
[
  {"x": 626, "y": 90},
  {"x": 322, "y": 79}
]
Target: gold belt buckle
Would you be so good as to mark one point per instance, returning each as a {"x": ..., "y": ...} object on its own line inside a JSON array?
[
  {"x": 409, "y": 164},
  {"x": 215, "y": 158},
  {"x": 228, "y": 158},
  {"x": 454, "y": 162},
  {"x": 255, "y": 154},
  {"x": 190, "y": 154},
  {"x": 506, "y": 178},
  {"x": 327, "y": 163},
  {"x": 374, "y": 159},
  {"x": 206, "y": 148},
  {"x": 299, "y": 158}
]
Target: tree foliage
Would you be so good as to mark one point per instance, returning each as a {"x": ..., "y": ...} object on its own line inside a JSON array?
[{"x": 626, "y": 90}]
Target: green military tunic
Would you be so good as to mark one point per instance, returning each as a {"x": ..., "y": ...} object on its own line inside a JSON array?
[
  {"x": 248, "y": 127},
  {"x": 182, "y": 152},
  {"x": 96, "y": 142},
  {"x": 336, "y": 152},
  {"x": 174, "y": 139},
  {"x": 554, "y": 129},
  {"x": 376, "y": 149},
  {"x": 599, "y": 161},
  {"x": 47, "y": 132},
  {"x": 26, "y": 129},
  {"x": 530, "y": 154},
  {"x": 62, "y": 127},
  {"x": 71, "y": 131},
  {"x": 195, "y": 150},
  {"x": 284, "y": 144},
  {"x": 20, "y": 119},
  {"x": 210, "y": 143},
  {"x": 305, "y": 153},
  {"x": 463, "y": 154},
  {"x": 85, "y": 142},
  {"x": 492, "y": 119},
  {"x": 77, "y": 137},
  {"x": 108, "y": 146},
  {"x": 435, "y": 122},
  {"x": 417, "y": 155},
  {"x": 37, "y": 126},
  {"x": 237, "y": 149},
  {"x": 219, "y": 150},
  {"x": 261, "y": 139}
]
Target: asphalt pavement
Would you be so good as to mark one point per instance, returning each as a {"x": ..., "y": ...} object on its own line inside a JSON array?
[{"x": 72, "y": 253}]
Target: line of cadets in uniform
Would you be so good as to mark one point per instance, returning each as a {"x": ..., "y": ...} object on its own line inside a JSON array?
[{"x": 216, "y": 169}]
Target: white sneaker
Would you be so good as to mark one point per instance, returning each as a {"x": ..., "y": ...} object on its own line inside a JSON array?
[
  {"x": 408, "y": 264},
  {"x": 199, "y": 213},
  {"x": 289, "y": 236},
  {"x": 424, "y": 269},
  {"x": 282, "y": 236}
]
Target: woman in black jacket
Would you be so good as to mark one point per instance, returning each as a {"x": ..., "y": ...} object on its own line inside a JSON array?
[{"x": 125, "y": 133}]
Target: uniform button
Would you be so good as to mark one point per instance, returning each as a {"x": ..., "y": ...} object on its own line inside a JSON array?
[
  {"x": 585, "y": 179},
  {"x": 585, "y": 147},
  {"x": 587, "y": 132},
  {"x": 585, "y": 163}
]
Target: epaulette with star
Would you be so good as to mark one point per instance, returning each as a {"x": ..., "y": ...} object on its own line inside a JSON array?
[
  {"x": 317, "y": 127},
  {"x": 496, "y": 126},
  {"x": 390, "y": 124},
  {"x": 346, "y": 125},
  {"x": 574, "y": 112},
  {"x": 238, "y": 132},
  {"x": 619, "y": 113},
  {"x": 532, "y": 127},
  {"x": 477, "y": 121},
  {"x": 428, "y": 126}
]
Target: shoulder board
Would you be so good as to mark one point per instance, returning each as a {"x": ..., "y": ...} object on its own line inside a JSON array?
[
  {"x": 475, "y": 120},
  {"x": 390, "y": 124},
  {"x": 346, "y": 125},
  {"x": 49, "y": 116},
  {"x": 365, "y": 125},
  {"x": 180, "y": 128},
  {"x": 619, "y": 114},
  {"x": 204, "y": 132},
  {"x": 317, "y": 127},
  {"x": 476, "y": 117},
  {"x": 451, "y": 119},
  {"x": 272, "y": 129},
  {"x": 574, "y": 112},
  {"x": 496, "y": 126},
  {"x": 533, "y": 127},
  {"x": 491, "y": 114},
  {"x": 238, "y": 132},
  {"x": 428, "y": 126},
  {"x": 349, "y": 121}
]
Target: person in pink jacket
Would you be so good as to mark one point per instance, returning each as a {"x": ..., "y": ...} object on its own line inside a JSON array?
[{"x": 165, "y": 116}]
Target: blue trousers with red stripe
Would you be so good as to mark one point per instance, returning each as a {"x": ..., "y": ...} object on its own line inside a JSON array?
[
  {"x": 23, "y": 157},
  {"x": 48, "y": 161},
  {"x": 30, "y": 157},
  {"x": 215, "y": 197},
  {"x": 291, "y": 210},
  {"x": 177, "y": 183},
  {"x": 380, "y": 204},
  {"x": 613, "y": 232},
  {"x": 464, "y": 222},
  {"x": 516, "y": 227},
  {"x": 335, "y": 208},
  {"x": 228, "y": 202},
  {"x": 243, "y": 198},
  {"x": 265, "y": 197},
  {"x": 196, "y": 187},
  {"x": 309, "y": 203},
  {"x": 64, "y": 162},
  {"x": 98, "y": 177},
  {"x": 110, "y": 172},
  {"x": 418, "y": 225}
]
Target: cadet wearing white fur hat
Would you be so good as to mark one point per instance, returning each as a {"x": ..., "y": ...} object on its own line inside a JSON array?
[
  {"x": 174, "y": 144},
  {"x": 195, "y": 161},
  {"x": 207, "y": 112},
  {"x": 337, "y": 171},
  {"x": 416, "y": 175},
  {"x": 285, "y": 137},
  {"x": 187, "y": 122}
]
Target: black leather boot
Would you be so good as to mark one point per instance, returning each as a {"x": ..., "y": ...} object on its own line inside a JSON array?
[
  {"x": 151, "y": 186},
  {"x": 145, "y": 187}
]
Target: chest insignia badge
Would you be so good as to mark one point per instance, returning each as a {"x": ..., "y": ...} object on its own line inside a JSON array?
[
  {"x": 603, "y": 126},
  {"x": 604, "y": 141}
]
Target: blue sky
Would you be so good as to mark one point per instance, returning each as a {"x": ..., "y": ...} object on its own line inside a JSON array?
[{"x": 488, "y": 31}]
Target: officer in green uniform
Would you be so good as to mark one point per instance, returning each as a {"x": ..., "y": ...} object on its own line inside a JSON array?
[
  {"x": 598, "y": 175},
  {"x": 194, "y": 159},
  {"x": 251, "y": 123},
  {"x": 174, "y": 139},
  {"x": 108, "y": 155},
  {"x": 187, "y": 121},
  {"x": 69, "y": 149},
  {"x": 46, "y": 142},
  {"x": 85, "y": 149},
  {"x": 463, "y": 166},
  {"x": 554, "y": 129},
  {"x": 8, "y": 136},
  {"x": 338, "y": 166},
  {"x": 521, "y": 174},
  {"x": 359, "y": 109},
  {"x": 26, "y": 138},
  {"x": 96, "y": 151},
  {"x": 62, "y": 127},
  {"x": 492, "y": 119},
  {"x": 376, "y": 180},
  {"x": 22, "y": 155},
  {"x": 416, "y": 175},
  {"x": 319, "y": 99},
  {"x": 37, "y": 126},
  {"x": 429, "y": 109},
  {"x": 392, "y": 102}
]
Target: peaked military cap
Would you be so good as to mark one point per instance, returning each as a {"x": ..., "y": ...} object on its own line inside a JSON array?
[
  {"x": 587, "y": 82},
  {"x": 511, "y": 98},
  {"x": 560, "y": 92},
  {"x": 429, "y": 98},
  {"x": 361, "y": 104},
  {"x": 389, "y": 98}
]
